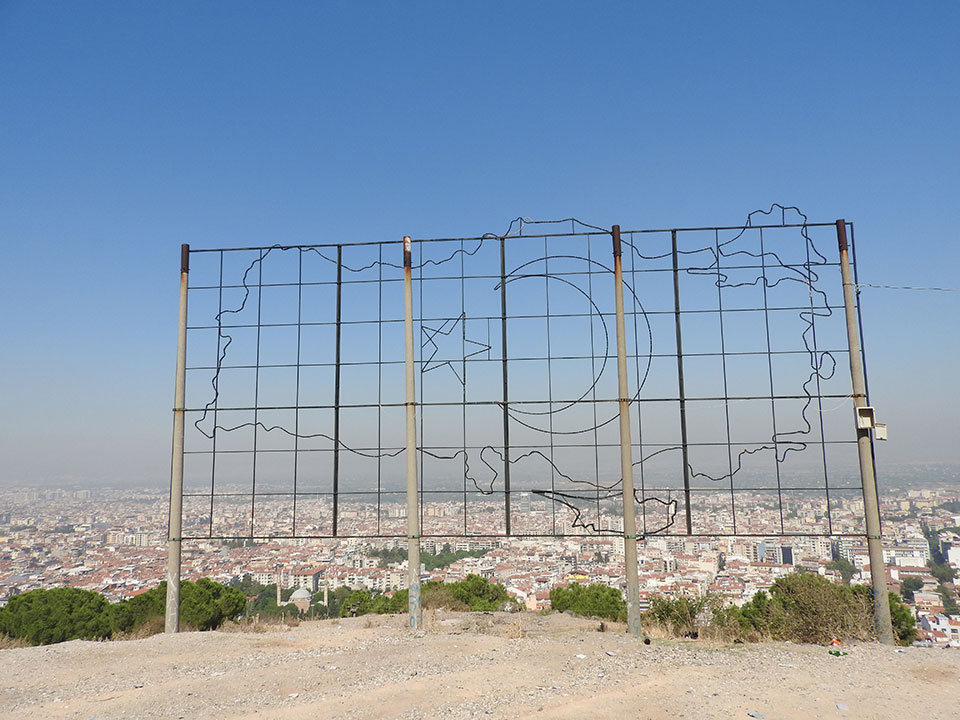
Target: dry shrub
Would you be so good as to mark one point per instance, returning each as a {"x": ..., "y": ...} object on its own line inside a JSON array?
[
  {"x": 515, "y": 630},
  {"x": 153, "y": 625},
  {"x": 253, "y": 624},
  {"x": 441, "y": 597},
  {"x": 9, "y": 643}
]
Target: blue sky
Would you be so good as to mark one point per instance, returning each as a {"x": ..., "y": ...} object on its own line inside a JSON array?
[{"x": 129, "y": 128}]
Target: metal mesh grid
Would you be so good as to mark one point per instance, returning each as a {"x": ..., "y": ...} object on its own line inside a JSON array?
[{"x": 740, "y": 405}]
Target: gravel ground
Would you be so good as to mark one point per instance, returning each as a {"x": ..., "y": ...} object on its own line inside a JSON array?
[{"x": 469, "y": 666}]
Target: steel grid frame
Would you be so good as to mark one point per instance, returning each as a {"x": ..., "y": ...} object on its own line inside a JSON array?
[{"x": 295, "y": 399}]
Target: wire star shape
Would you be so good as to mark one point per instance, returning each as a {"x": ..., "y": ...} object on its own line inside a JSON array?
[{"x": 445, "y": 330}]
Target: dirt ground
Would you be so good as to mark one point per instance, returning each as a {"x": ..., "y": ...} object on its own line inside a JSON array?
[{"x": 469, "y": 666}]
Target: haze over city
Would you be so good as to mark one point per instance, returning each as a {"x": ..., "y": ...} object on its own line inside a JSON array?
[{"x": 133, "y": 129}]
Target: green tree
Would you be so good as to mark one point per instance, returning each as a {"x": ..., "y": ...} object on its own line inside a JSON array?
[
  {"x": 430, "y": 562},
  {"x": 43, "y": 617},
  {"x": 933, "y": 541},
  {"x": 359, "y": 602},
  {"x": 335, "y": 599},
  {"x": 479, "y": 594},
  {"x": 904, "y": 626},
  {"x": 943, "y": 572},
  {"x": 266, "y": 601},
  {"x": 128, "y": 615},
  {"x": 949, "y": 603},
  {"x": 248, "y": 586},
  {"x": 589, "y": 601},
  {"x": 846, "y": 569},
  {"x": 909, "y": 586}
]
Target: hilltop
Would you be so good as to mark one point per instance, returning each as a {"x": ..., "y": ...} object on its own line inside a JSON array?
[{"x": 466, "y": 665}]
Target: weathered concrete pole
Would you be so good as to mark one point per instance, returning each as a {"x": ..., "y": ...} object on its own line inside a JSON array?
[
  {"x": 413, "y": 505},
  {"x": 868, "y": 475},
  {"x": 175, "y": 524},
  {"x": 626, "y": 452}
]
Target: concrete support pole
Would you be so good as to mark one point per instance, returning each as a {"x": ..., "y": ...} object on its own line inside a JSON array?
[
  {"x": 868, "y": 476},
  {"x": 175, "y": 526},
  {"x": 626, "y": 452},
  {"x": 413, "y": 505}
]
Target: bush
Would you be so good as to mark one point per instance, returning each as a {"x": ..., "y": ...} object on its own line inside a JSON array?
[
  {"x": 129, "y": 615},
  {"x": 815, "y": 610},
  {"x": 49, "y": 616},
  {"x": 472, "y": 593},
  {"x": 359, "y": 602},
  {"x": 206, "y": 604},
  {"x": 800, "y": 607},
  {"x": 479, "y": 594},
  {"x": 440, "y": 596},
  {"x": 43, "y": 617},
  {"x": 904, "y": 626},
  {"x": 909, "y": 586},
  {"x": 589, "y": 601}
]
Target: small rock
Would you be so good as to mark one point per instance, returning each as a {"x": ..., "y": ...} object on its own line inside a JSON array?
[{"x": 841, "y": 706}]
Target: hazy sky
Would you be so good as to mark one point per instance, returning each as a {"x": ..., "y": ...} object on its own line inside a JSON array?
[{"x": 127, "y": 129}]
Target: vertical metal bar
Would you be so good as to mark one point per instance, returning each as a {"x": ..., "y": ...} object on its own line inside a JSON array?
[
  {"x": 683, "y": 400},
  {"x": 593, "y": 371},
  {"x": 506, "y": 411},
  {"x": 636, "y": 358},
  {"x": 336, "y": 397},
  {"x": 726, "y": 390},
  {"x": 379, "y": 383},
  {"x": 815, "y": 362},
  {"x": 413, "y": 504},
  {"x": 175, "y": 526},
  {"x": 463, "y": 354},
  {"x": 216, "y": 396},
  {"x": 626, "y": 452},
  {"x": 296, "y": 411},
  {"x": 256, "y": 395},
  {"x": 773, "y": 403},
  {"x": 550, "y": 414},
  {"x": 868, "y": 478}
]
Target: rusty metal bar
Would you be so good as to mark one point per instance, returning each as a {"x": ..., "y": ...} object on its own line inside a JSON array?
[
  {"x": 626, "y": 452},
  {"x": 681, "y": 394},
  {"x": 506, "y": 412},
  {"x": 868, "y": 476},
  {"x": 413, "y": 501},
  {"x": 175, "y": 522}
]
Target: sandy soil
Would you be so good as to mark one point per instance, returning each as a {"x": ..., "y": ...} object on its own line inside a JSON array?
[{"x": 466, "y": 666}]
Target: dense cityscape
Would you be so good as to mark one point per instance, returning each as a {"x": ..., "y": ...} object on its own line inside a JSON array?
[{"x": 113, "y": 541}]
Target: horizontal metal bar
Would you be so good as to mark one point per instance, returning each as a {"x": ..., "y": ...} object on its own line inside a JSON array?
[
  {"x": 649, "y": 492},
  {"x": 692, "y": 269},
  {"x": 558, "y": 445},
  {"x": 536, "y": 236},
  {"x": 609, "y": 315},
  {"x": 478, "y": 359},
  {"x": 611, "y": 534},
  {"x": 514, "y": 403}
]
